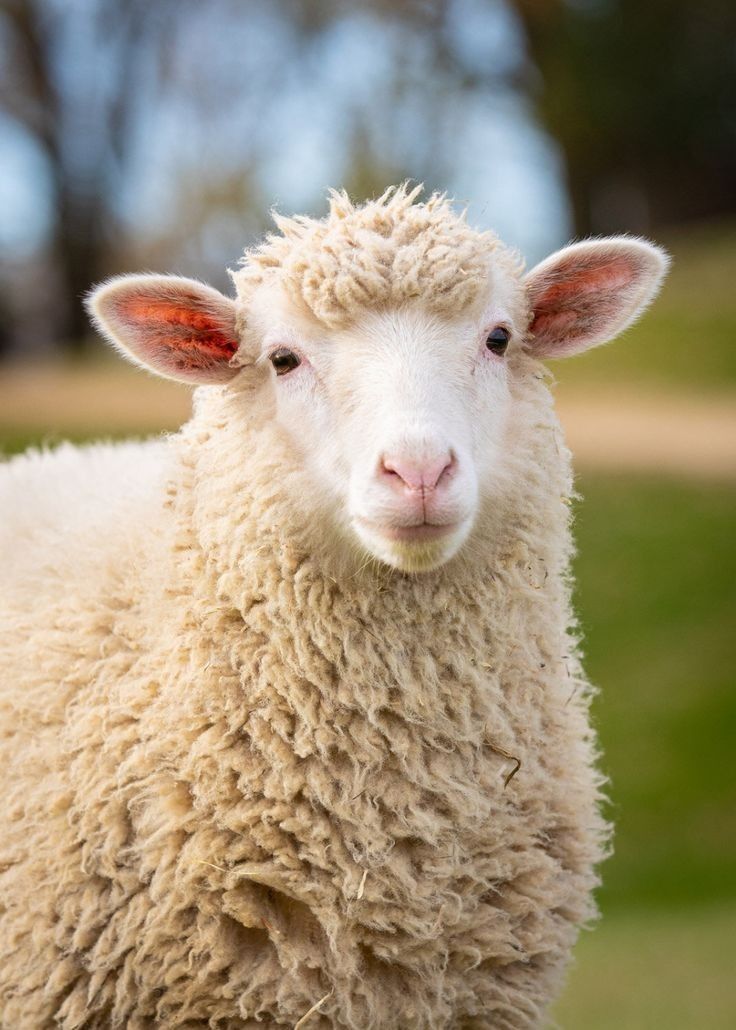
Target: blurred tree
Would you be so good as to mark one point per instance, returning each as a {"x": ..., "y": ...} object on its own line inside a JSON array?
[
  {"x": 641, "y": 94},
  {"x": 164, "y": 127},
  {"x": 73, "y": 77},
  {"x": 167, "y": 128}
]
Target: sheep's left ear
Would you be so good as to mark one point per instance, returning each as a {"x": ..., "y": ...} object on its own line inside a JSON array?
[
  {"x": 589, "y": 292},
  {"x": 179, "y": 328}
]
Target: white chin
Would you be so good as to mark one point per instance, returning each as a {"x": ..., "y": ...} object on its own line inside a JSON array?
[{"x": 412, "y": 555}]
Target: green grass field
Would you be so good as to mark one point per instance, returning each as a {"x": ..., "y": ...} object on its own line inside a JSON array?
[
  {"x": 657, "y": 597},
  {"x": 668, "y": 970},
  {"x": 656, "y": 577}
]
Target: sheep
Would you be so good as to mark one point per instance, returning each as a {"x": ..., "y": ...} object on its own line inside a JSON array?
[{"x": 295, "y": 728}]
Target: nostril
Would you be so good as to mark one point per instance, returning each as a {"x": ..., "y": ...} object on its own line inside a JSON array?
[
  {"x": 450, "y": 463},
  {"x": 418, "y": 475},
  {"x": 388, "y": 465},
  {"x": 433, "y": 472},
  {"x": 400, "y": 472}
]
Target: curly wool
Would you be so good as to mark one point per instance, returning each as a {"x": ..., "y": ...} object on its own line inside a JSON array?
[
  {"x": 386, "y": 251},
  {"x": 237, "y": 785},
  {"x": 245, "y": 787}
]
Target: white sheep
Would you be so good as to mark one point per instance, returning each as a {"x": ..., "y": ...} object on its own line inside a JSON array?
[{"x": 294, "y": 731}]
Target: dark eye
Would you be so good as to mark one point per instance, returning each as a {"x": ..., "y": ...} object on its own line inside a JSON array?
[
  {"x": 498, "y": 340},
  {"x": 284, "y": 360}
]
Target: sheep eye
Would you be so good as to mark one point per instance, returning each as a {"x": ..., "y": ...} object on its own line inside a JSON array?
[
  {"x": 284, "y": 361},
  {"x": 498, "y": 340}
]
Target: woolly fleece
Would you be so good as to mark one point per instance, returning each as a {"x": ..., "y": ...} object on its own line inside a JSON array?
[
  {"x": 385, "y": 252},
  {"x": 239, "y": 783}
]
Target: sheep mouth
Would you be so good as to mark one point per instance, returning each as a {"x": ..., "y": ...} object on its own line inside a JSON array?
[
  {"x": 419, "y": 532},
  {"x": 412, "y": 547}
]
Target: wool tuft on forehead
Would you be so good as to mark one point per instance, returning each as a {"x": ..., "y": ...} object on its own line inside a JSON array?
[{"x": 386, "y": 251}]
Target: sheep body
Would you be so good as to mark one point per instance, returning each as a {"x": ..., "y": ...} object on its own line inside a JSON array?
[
  {"x": 246, "y": 783},
  {"x": 237, "y": 785},
  {"x": 72, "y": 505}
]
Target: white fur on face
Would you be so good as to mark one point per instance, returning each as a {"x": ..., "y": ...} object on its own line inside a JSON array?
[{"x": 401, "y": 386}]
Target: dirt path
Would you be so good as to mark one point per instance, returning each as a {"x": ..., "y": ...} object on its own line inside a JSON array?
[
  {"x": 682, "y": 434},
  {"x": 606, "y": 428}
]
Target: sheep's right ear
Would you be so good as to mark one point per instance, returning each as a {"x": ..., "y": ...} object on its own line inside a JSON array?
[{"x": 176, "y": 327}]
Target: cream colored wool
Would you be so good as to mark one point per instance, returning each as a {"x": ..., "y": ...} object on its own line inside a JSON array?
[
  {"x": 385, "y": 252},
  {"x": 238, "y": 780}
]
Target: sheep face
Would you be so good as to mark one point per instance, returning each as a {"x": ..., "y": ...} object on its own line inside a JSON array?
[
  {"x": 387, "y": 343},
  {"x": 399, "y": 417}
]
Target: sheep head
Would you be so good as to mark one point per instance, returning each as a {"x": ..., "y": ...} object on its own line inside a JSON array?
[{"x": 386, "y": 341}]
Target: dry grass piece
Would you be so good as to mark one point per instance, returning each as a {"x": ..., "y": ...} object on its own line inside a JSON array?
[
  {"x": 219, "y": 868},
  {"x": 315, "y": 1008},
  {"x": 362, "y": 884},
  {"x": 511, "y": 758}
]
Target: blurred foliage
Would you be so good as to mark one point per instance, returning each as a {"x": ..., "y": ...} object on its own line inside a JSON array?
[
  {"x": 74, "y": 80},
  {"x": 642, "y": 98},
  {"x": 204, "y": 101},
  {"x": 162, "y": 128}
]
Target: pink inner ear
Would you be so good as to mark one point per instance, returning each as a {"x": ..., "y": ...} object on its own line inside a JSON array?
[
  {"x": 191, "y": 328},
  {"x": 182, "y": 334},
  {"x": 588, "y": 277},
  {"x": 578, "y": 301}
]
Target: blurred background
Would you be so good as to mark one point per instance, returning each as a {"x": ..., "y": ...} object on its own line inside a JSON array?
[{"x": 138, "y": 135}]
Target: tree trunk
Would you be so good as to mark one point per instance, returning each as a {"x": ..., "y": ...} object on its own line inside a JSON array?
[{"x": 80, "y": 254}]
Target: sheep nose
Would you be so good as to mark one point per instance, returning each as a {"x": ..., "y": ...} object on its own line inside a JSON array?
[{"x": 418, "y": 475}]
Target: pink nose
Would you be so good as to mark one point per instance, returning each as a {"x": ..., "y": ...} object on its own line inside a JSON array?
[{"x": 418, "y": 475}]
